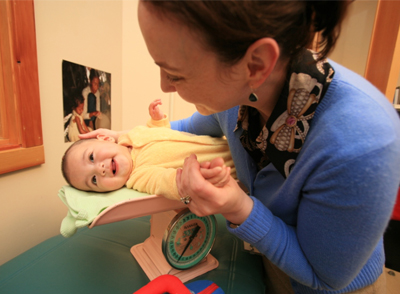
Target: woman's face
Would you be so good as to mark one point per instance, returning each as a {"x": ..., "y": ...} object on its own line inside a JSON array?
[{"x": 187, "y": 68}]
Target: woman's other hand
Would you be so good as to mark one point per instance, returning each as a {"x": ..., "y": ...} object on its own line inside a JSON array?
[
  {"x": 230, "y": 200},
  {"x": 154, "y": 110}
]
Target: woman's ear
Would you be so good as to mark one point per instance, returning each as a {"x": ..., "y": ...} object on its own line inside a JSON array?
[
  {"x": 261, "y": 58},
  {"x": 105, "y": 138}
]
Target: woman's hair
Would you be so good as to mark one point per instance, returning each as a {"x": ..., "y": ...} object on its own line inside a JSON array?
[
  {"x": 65, "y": 168},
  {"x": 230, "y": 27}
]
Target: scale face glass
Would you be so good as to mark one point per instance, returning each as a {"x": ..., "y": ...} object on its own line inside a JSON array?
[{"x": 188, "y": 239}]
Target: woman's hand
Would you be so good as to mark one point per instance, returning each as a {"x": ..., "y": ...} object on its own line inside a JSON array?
[
  {"x": 154, "y": 111},
  {"x": 230, "y": 200},
  {"x": 104, "y": 132}
]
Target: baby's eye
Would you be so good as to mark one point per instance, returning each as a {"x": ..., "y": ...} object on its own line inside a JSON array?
[
  {"x": 91, "y": 157},
  {"x": 94, "y": 180}
]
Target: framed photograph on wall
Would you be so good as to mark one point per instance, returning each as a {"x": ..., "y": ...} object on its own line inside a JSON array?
[{"x": 86, "y": 100}]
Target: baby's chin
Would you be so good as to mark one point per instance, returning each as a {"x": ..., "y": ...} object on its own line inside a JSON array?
[{"x": 107, "y": 190}]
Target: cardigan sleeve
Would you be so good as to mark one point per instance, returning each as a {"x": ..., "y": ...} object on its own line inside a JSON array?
[
  {"x": 199, "y": 124},
  {"x": 341, "y": 216}
]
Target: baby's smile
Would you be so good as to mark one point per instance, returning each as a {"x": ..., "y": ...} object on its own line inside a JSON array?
[{"x": 113, "y": 166}]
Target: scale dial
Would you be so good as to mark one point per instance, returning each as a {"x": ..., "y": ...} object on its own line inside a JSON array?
[{"x": 188, "y": 239}]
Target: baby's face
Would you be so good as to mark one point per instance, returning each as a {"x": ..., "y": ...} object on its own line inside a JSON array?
[{"x": 99, "y": 166}]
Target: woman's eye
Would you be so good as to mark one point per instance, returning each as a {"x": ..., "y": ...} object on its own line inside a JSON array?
[
  {"x": 91, "y": 157},
  {"x": 94, "y": 180},
  {"x": 173, "y": 79}
]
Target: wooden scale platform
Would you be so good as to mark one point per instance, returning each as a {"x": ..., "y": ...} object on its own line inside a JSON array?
[{"x": 150, "y": 254}]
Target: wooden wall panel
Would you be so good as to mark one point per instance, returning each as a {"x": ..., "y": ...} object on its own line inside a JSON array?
[{"x": 383, "y": 44}]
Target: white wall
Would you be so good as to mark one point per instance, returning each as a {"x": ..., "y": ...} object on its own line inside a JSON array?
[
  {"x": 104, "y": 35},
  {"x": 353, "y": 44},
  {"x": 140, "y": 76},
  {"x": 85, "y": 32}
]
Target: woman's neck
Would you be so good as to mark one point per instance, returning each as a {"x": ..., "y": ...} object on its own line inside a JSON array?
[{"x": 269, "y": 92}]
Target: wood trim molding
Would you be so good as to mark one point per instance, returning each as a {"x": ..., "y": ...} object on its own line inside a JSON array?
[
  {"x": 25, "y": 54},
  {"x": 21, "y": 80},
  {"x": 20, "y": 158},
  {"x": 394, "y": 70},
  {"x": 383, "y": 44}
]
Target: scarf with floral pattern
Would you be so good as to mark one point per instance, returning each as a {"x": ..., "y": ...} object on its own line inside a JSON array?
[{"x": 280, "y": 140}]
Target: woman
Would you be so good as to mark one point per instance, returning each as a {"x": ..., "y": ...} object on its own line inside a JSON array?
[{"x": 316, "y": 146}]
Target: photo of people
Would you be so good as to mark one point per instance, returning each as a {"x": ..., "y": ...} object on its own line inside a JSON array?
[{"x": 86, "y": 100}]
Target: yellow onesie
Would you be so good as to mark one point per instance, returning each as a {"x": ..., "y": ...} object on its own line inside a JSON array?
[{"x": 157, "y": 151}]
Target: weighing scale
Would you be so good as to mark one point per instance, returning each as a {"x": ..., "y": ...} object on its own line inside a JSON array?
[{"x": 179, "y": 243}]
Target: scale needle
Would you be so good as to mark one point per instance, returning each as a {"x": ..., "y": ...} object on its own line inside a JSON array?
[{"x": 196, "y": 230}]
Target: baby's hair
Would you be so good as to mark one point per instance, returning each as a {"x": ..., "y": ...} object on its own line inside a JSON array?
[{"x": 64, "y": 161}]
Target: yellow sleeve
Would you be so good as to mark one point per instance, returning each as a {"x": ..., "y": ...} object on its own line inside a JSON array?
[
  {"x": 155, "y": 180},
  {"x": 162, "y": 123}
]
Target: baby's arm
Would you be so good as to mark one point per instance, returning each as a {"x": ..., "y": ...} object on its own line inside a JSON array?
[
  {"x": 158, "y": 118},
  {"x": 155, "y": 111},
  {"x": 216, "y": 172},
  {"x": 157, "y": 180},
  {"x": 104, "y": 132}
]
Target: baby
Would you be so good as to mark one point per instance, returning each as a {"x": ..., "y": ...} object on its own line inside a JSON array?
[{"x": 144, "y": 159}]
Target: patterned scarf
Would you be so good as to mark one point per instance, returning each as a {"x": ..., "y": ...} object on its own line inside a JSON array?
[{"x": 280, "y": 140}]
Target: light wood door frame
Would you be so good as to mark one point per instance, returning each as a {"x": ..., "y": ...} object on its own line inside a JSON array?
[
  {"x": 383, "y": 63},
  {"x": 23, "y": 146}
]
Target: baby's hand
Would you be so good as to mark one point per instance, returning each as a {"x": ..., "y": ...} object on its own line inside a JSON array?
[
  {"x": 155, "y": 111},
  {"x": 103, "y": 132},
  {"x": 216, "y": 172}
]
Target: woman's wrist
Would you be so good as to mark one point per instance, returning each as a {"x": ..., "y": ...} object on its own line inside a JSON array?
[{"x": 236, "y": 218}]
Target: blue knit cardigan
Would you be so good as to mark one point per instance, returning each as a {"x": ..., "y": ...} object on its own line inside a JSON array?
[{"x": 323, "y": 225}]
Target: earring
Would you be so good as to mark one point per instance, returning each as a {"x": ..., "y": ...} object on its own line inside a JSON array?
[{"x": 253, "y": 96}]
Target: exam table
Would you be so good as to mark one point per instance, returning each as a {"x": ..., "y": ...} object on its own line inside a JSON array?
[{"x": 98, "y": 260}]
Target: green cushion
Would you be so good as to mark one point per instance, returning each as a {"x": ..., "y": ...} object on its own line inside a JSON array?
[{"x": 99, "y": 261}]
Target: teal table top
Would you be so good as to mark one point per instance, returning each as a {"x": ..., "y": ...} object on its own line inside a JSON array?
[{"x": 99, "y": 261}]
